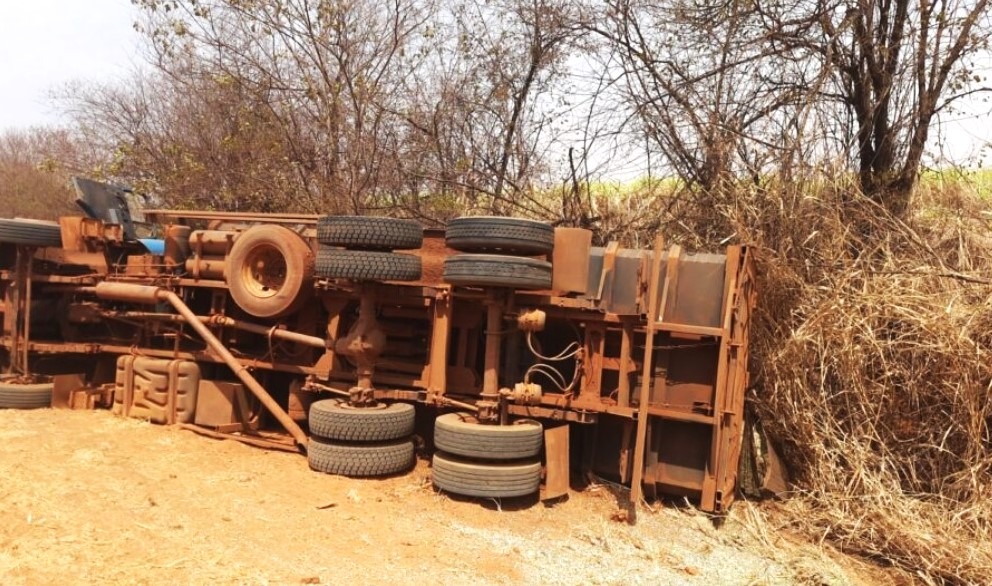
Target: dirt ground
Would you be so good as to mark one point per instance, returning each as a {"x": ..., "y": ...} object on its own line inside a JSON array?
[{"x": 88, "y": 498}]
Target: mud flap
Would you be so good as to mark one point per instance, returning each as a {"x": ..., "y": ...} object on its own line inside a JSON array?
[{"x": 556, "y": 456}]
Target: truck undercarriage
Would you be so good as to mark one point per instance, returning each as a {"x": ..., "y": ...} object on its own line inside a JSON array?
[{"x": 518, "y": 352}]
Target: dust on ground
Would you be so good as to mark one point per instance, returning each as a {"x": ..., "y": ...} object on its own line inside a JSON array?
[{"x": 87, "y": 497}]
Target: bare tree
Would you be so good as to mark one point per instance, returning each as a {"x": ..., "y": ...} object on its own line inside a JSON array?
[
  {"x": 35, "y": 165},
  {"x": 697, "y": 79},
  {"x": 895, "y": 65},
  {"x": 202, "y": 143},
  {"x": 417, "y": 106},
  {"x": 325, "y": 71}
]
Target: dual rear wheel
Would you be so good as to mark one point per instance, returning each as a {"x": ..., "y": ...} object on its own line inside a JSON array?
[
  {"x": 499, "y": 249},
  {"x": 360, "y": 442},
  {"x": 489, "y": 461}
]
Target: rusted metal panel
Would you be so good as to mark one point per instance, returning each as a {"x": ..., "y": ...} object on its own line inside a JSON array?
[
  {"x": 144, "y": 265},
  {"x": 688, "y": 381},
  {"x": 63, "y": 387},
  {"x": 697, "y": 298},
  {"x": 556, "y": 441},
  {"x": 220, "y": 404},
  {"x": 680, "y": 451},
  {"x": 158, "y": 390},
  {"x": 595, "y": 341},
  {"x": 571, "y": 260},
  {"x": 614, "y": 279}
]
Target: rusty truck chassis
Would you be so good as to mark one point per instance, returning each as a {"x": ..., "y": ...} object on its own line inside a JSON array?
[{"x": 649, "y": 363}]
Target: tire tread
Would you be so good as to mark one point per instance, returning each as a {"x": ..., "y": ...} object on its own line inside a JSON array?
[
  {"x": 369, "y": 233},
  {"x": 362, "y": 461},
  {"x": 499, "y": 234},
  {"x": 360, "y": 265},
  {"x": 330, "y": 420},
  {"x": 485, "y": 480}
]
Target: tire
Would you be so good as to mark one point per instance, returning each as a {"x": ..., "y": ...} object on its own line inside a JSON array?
[
  {"x": 21, "y": 396},
  {"x": 269, "y": 270},
  {"x": 360, "y": 265},
  {"x": 461, "y": 435},
  {"x": 333, "y": 419},
  {"x": 492, "y": 479},
  {"x": 504, "y": 235},
  {"x": 490, "y": 270},
  {"x": 360, "y": 460},
  {"x": 30, "y": 232},
  {"x": 368, "y": 233}
]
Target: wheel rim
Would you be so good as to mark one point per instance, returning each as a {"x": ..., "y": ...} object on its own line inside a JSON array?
[{"x": 264, "y": 271}]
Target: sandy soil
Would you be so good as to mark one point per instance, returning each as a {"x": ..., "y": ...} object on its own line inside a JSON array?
[{"x": 87, "y": 498}]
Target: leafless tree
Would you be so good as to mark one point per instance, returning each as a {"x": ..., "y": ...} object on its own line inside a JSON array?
[
  {"x": 894, "y": 66},
  {"x": 35, "y": 165}
]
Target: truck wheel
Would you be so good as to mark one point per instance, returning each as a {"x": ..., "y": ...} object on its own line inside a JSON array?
[
  {"x": 268, "y": 271},
  {"x": 360, "y": 460},
  {"x": 462, "y": 435},
  {"x": 30, "y": 232},
  {"x": 504, "y": 235},
  {"x": 367, "y": 233},
  {"x": 334, "y": 419},
  {"x": 490, "y": 270},
  {"x": 22, "y": 396},
  {"x": 490, "y": 479},
  {"x": 360, "y": 265}
]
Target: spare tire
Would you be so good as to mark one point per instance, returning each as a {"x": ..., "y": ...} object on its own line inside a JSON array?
[
  {"x": 491, "y": 270},
  {"x": 360, "y": 460},
  {"x": 334, "y": 419},
  {"x": 361, "y": 265},
  {"x": 269, "y": 270},
  {"x": 485, "y": 479},
  {"x": 461, "y": 434},
  {"x": 25, "y": 396},
  {"x": 369, "y": 233},
  {"x": 503, "y": 235},
  {"x": 30, "y": 232}
]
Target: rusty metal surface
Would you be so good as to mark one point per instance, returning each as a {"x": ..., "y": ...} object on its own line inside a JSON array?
[
  {"x": 685, "y": 348},
  {"x": 155, "y": 389},
  {"x": 614, "y": 279},
  {"x": 220, "y": 404},
  {"x": 556, "y": 440},
  {"x": 165, "y": 216},
  {"x": 571, "y": 260},
  {"x": 697, "y": 299}
]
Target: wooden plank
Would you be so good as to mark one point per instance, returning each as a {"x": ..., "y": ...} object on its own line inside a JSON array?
[{"x": 556, "y": 451}]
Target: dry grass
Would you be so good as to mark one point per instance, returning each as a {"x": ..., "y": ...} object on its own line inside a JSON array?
[{"x": 872, "y": 367}]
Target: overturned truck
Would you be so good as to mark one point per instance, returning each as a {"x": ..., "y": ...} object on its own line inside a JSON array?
[{"x": 518, "y": 353}]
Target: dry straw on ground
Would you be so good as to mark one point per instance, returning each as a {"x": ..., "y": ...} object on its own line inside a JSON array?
[{"x": 871, "y": 365}]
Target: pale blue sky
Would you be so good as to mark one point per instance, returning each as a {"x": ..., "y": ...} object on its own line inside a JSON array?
[{"x": 45, "y": 44}]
